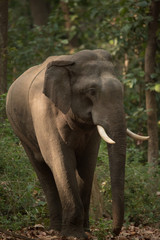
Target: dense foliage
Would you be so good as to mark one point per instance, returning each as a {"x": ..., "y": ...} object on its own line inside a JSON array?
[{"x": 118, "y": 26}]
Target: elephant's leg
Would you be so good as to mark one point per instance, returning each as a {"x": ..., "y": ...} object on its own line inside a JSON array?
[
  {"x": 47, "y": 181},
  {"x": 62, "y": 161},
  {"x": 64, "y": 170},
  {"x": 86, "y": 167}
]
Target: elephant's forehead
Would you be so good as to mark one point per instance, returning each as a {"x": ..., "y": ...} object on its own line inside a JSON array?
[
  {"x": 96, "y": 68},
  {"x": 93, "y": 73},
  {"x": 89, "y": 81}
]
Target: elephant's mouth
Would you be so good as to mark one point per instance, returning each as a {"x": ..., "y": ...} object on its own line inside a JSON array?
[{"x": 107, "y": 139}]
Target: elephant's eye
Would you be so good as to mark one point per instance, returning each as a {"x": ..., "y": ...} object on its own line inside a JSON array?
[{"x": 91, "y": 92}]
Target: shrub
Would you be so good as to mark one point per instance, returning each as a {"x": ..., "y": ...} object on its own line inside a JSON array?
[
  {"x": 141, "y": 202},
  {"x": 142, "y": 205}
]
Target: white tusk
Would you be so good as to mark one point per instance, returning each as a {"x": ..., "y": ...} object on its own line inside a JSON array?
[
  {"x": 104, "y": 135},
  {"x": 136, "y": 136}
]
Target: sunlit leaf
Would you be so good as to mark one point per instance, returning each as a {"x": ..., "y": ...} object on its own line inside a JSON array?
[{"x": 157, "y": 87}]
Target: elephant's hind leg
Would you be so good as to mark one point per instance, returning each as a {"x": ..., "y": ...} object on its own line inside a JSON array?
[{"x": 47, "y": 181}]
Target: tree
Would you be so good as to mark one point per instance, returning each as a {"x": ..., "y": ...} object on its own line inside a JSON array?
[
  {"x": 39, "y": 11},
  {"x": 69, "y": 15},
  {"x": 151, "y": 105},
  {"x": 3, "y": 45}
]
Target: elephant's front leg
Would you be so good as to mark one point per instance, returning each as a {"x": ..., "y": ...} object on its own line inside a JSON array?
[
  {"x": 62, "y": 162},
  {"x": 64, "y": 170},
  {"x": 86, "y": 167}
]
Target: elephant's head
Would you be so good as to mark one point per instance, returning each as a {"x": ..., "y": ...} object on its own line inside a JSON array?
[{"x": 86, "y": 84}]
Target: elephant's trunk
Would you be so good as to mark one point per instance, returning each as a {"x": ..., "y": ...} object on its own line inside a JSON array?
[
  {"x": 116, "y": 128},
  {"x": 117, "y": 171},
  {"x": 117, "y": 155},
  {"x": 116, "y": 150}
]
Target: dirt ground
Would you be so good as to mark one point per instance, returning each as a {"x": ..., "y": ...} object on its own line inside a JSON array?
[{"x": 38, "y": 232}]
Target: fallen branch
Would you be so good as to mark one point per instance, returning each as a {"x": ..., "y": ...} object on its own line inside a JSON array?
[{"x": 15, "y": 235}]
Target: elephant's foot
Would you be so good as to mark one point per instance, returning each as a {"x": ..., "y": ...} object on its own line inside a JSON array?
[
  {"x": 116, "y": 231},
  {"x": 74, "y": 231},
  {"x": 86, "y": 226},
  {"x": 56, "y": 226}
]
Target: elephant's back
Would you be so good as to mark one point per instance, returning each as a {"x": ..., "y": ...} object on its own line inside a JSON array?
[{"x": 17, "y": 104}]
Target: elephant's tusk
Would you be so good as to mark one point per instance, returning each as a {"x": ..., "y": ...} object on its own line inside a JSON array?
[
  {"x": 104, "y": 135},
  {"x": 136, "y": 136}
]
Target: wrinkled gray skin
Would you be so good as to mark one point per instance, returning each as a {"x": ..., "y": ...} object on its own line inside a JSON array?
[{"x": 54, "y": 109}]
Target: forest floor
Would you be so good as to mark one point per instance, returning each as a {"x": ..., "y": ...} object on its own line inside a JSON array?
[{"x": 39, "y": 233}]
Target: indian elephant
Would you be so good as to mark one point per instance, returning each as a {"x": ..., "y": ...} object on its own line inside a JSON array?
[{"x": 59, "y": 109}]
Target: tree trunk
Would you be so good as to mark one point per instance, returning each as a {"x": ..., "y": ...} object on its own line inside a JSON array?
[
  {"x": 3, "y": 45},
  {"x": 73, "y": 42},
  {"x": 39, "y": 12},
  {"x": 65, "y": 10},
  {"x": 151, "y": 105}
]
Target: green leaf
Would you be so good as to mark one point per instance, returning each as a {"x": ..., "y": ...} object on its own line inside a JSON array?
[
  {"x": 153, "y": 75},
  {"x": 142, "y": 4},
  {"x": 126, "y": 28},
  {"x": 122, "y": 11},
  {"x": 141, "y": 73},
  {"x": 64, "y": 41},
  {"x": 157, "y": 87}
]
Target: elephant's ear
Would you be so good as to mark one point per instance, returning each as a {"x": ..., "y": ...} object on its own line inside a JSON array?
[{"x": 57, "y": 84}]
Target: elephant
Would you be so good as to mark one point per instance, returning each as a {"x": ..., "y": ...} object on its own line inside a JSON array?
[{"x": 60, "y": 110}]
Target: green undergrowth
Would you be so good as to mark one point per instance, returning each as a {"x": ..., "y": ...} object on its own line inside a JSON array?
[
  {"x": 101, "y": 228},
  {"x": 142, "y": 184},
  {"x": 22, "y": 202}
]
